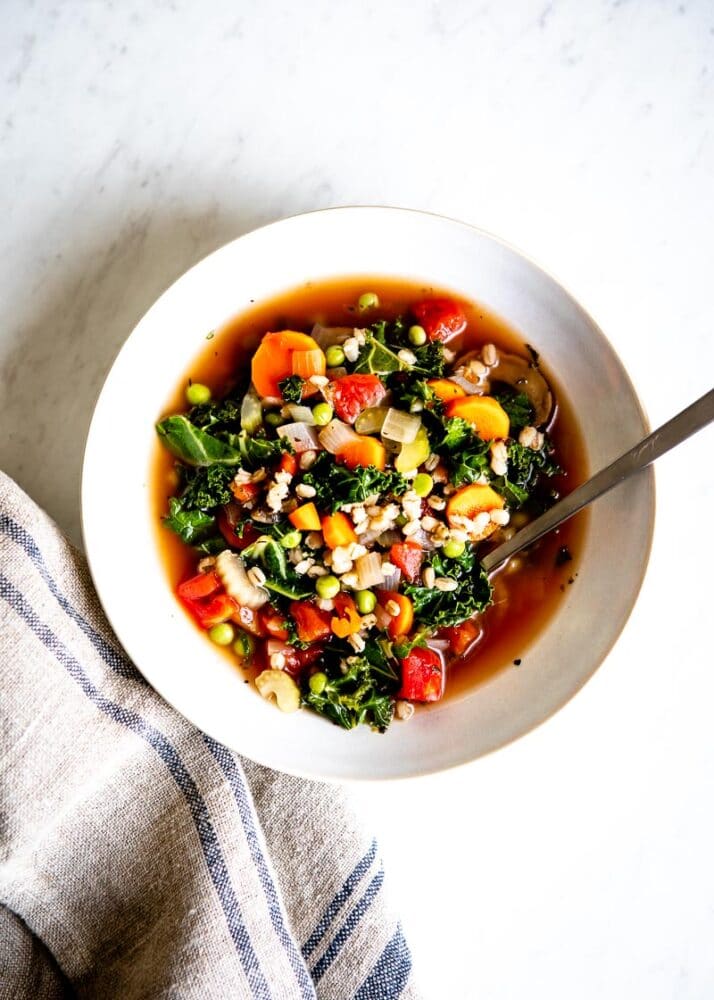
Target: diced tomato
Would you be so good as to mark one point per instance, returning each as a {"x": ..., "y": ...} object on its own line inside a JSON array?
[
  {"x": 311, "y": 622},
  {"x": 228, "y": 517},
  {"x": 442, "y": 319},
  {"x": 199, "y": 586},
  {"x": 353, "y": 393},
  {"x": 218, "y": 609},
  {"x": 407, "y": 557},
  {"x": 422, "y": 675},
  {"x": 306, "y": 657},
  {"x": 288, "y": 463},
  {"x": 273, "y": 623},
  {"x": 460, "y": 637}
]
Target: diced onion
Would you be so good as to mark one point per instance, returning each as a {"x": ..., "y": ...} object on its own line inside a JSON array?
[
  {"x": 389, "y": 538},
  {"x": 438, "y": 645},
  {"x": 370, "y": 421},
  {"x": 302, "y": 414},
  {"x": 251, "y": 412},
  {"x": 400, "y": 426},
  {"x": 278, "y": 646},
  {"x": 336, "y": 435},
  {"x": 469, "y": 387},
  {"x": 234, "y": 578},
  {"x": 369, "y": 571},
  {"x": 392, "y": 581},
  {"x": 301, "y": 436}
]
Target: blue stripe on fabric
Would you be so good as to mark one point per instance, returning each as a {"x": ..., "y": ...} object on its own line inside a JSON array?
[
  {"x": 389, "y": 976},
  {"x": 340, "y": 898},
  {"x": 227, "y": 763},
  {"x": 112, "y": 657},
  {"x": 353, "y": 918},
  {"x": 126, "y": 668},
  {"x": 210, "y": 846}
]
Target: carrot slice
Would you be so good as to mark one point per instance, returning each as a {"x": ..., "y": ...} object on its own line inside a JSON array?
[
  {"x": 307, "y": 363},
  {"x": 484, "y": 413},
  {"x": 337, "y": 530},
  {"x": 472, "y": 500},
  {"x": 273, "y": 361},
  {"x": 401, "y": 623},
  {"x": 445, "y": 389},
  {"x": 305, "y": 518},
  {"x": 365, "y": 451}
]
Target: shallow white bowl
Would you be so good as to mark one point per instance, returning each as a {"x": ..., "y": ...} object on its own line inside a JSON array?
[{"x": 119, "y": 536}]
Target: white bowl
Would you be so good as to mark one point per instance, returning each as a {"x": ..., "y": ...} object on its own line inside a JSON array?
[{"x": 120, "y": 539}]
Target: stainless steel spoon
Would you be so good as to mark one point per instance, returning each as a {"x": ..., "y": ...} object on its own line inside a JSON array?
[{"x": 669, "y": 435}]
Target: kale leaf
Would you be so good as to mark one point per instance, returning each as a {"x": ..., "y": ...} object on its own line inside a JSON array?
[
  {"x": 336, "y": 485},
  {"x": 217, "y": 416},
  {"x": 258, "y": 451},
  {"x": 436, "y": 608},
  {"x": 292, "y": 388},
  {"x": 518, "y": 408},
  {"x": 457, "y": 434},
  {"x": 280, "y": 577},
  {"x": 195, "y": 527},
  {"x": 193, "y": 445},
  {"x": 353, "y": 697},
  {"x": 430, "y": 359},
  {"x": 206, "y": 487}
]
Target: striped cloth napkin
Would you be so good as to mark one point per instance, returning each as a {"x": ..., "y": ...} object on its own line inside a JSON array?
[{"x": 140, "y": 858}]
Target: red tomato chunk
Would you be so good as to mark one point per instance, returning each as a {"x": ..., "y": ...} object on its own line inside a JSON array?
[
  {"x": 311, "y": 623},
  {"x": 422, "y": 676},
  {"x": 441, "y": 318},
  {"x": 407, "y": 557},
  {"x": 354, "y": 393}
]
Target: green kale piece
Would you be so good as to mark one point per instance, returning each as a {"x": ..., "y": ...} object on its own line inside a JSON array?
[
  {"x": 218, "y": 415},
  {"x": 353, "y": 697},
  {"x": 436, "y": 608},
  {"x": 258, "y": 451},
  {"x": 195, "y": 527},
  {"x": 193, "y": 445},
  {"x": 292, "y": 388},
  {"x": 336, "y": 485},
  {"x": 206, "y": 487},
  {"x": 280, "y": 577},
  {"x": 430, "y": 359},
  {"x": 518, "y": 407}
]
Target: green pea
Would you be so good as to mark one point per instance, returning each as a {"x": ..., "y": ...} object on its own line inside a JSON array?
[
  {"x": 322, "y": 414},
  {"x": 423, "y": 484},
  {"x": 223, "y": 634},
  {"x": 197, "y": 394},
  {"x": 327, "y": 587},
  {"x": 291, "y": 540},
  {"x": 368, "y": 300},
  {"x": 273, "y": 418},
  {"x": 243, "y": 646},
  {"x": 318, "y": 682},
  {"x": 400, "y": 520},
  {"x": 334, "y": 356},
  {"x": 454, "y": 549},
  {"x": 417, "y": 335},
  {"x": 366, "y": 601}
]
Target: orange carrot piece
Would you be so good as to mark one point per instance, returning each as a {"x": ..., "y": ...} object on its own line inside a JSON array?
[
  {"x": 347, "y": 621},
  {"x": 484, "y": 413},
  {"x": 399, "y": 624},
  {"x": 307, "y": 363},
  {"x": 337, "y": 530},
  {"x": 273, "y": 361},
  {"x": 445, "y": 390},
  {"x": 365, "y": 451},
  {"x": 288, "y": 463},
  {"x": 305, "y": 518},
  {"x": 472, "y": 500}
]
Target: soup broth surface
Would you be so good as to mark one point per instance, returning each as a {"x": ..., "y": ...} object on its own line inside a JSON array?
[{"x": 529, "y": 589}]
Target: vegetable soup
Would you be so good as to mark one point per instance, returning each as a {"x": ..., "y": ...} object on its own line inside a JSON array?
[{"x": 328, "y": 477}]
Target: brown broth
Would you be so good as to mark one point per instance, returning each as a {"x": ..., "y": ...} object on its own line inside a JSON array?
[{"x": 524, "y": 600}]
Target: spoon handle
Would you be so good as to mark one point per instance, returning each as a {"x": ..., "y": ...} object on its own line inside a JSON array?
[{"x": 676, "y": 430}]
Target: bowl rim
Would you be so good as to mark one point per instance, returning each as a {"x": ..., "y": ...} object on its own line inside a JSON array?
[{"x": 648, "y": 476}]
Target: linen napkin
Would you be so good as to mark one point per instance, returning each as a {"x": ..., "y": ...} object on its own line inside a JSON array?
[{"x": 140, "y": 858}]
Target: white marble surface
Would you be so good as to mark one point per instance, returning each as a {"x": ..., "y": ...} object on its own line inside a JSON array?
[{"x": 136, "y": 137}]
